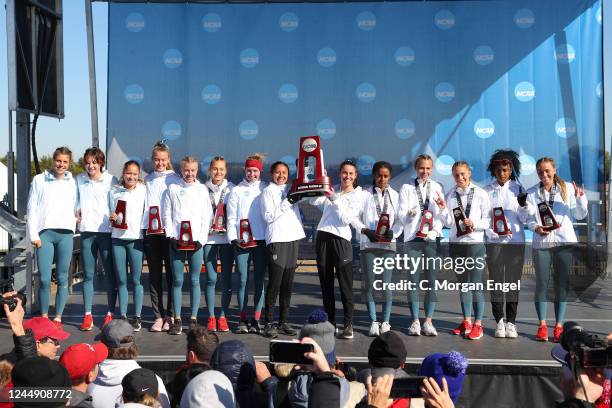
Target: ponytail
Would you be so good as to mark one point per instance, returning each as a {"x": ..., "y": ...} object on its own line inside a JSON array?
[{"x": 562, "y": 185}]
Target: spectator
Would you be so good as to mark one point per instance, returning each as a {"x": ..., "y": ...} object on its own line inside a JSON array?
[
  {"x": 24, "y": 344},
  {"x": 140, "y": 388},
  {"x": 82, "y": 360},
  {"x": 39, "y": 372},
  {"x": 210, "y": 389},
  {"x": 451, "y": 366},
  {"x": 118, "y": 336},
  {"x": 47, "y": 336}
]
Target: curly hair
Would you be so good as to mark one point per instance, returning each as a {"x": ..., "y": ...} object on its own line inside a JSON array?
[{"x": 501, "y": 155}]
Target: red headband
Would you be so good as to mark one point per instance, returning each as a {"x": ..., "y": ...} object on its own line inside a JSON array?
[{"x": 253, "y": 163}]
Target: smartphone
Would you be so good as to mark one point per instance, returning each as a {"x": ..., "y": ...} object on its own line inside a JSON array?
[
  {"x": 407, "y": 387},
  {"x": 285, "y": 351}
]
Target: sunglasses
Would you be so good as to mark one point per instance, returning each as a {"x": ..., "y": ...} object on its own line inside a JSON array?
[{"x": 49, "y": 340}]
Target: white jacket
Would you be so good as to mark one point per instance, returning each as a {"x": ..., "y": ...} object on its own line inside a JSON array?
[
  {"x": 52, "y": 204},
  {"x": 283, "y": 219},
  {"x": 157, "y": 183},
  {"x": 245, "y": 202},
  {"x": 479, "y": 213},
  {"x": 216, "y": 192},
  {"x": 516, "y": 216},
  {"x": 93, "y": 198},
  {"x": 369, "y": 217},
  {"x": 187, "y": 202},
  {"x": 339, "y": 214},
  {"x": 409, "y": 213},
  {"x": 135, "y": 205},
  {"x": 563, "y": 212}
]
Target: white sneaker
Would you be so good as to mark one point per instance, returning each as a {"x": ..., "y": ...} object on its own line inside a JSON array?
[
  {"x": 415, "y": 328},
  {"x": 374, "y": 330},
  {"x": 511, "y": 331},
  {"x": 429, "y": 329},
  {"x": 385, "y": 327},
  {"x": 500, "y": 330}
]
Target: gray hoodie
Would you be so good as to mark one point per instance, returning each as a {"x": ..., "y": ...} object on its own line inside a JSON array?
[{"x": 106, "y": 390}]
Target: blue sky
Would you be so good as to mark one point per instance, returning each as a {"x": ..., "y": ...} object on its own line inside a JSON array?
[{"x": 75, "y": 129}]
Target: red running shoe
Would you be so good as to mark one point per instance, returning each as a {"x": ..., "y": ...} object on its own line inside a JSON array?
[
  {"x": 212, "y": 324},
  {"x": 542, "y": 334},
  {"x": 464, "y": 328},
  {"x": 222, "y": 324},
  {"x": 58, "y": 324},
  {"x": 557, "y": 333},
  {"x": 476, "y": 332},
  {"x": 107, "y": 319},
  {"x": 87, "y": 323}
]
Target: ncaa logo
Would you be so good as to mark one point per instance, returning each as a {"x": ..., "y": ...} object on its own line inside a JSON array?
[
  {"x": 249, "y": 58},
  {"x": 366, "y": 92},
  {"x": 444, "y": 165},
  {"x": 288, "y": 22},
  {"x": 484, "y": 55},
  {"x": 444, "y": 19},
  {"x": 173, "y": 58},
  {"x": 599, "y": 90},
  {"x": 524, "y": 91},
  {"x": 524, "y": 18},
  {"x": 565, "y": 127},
  {"x": 171, "y": 130},
  {"x": 134, "y": 94},
  {"x": 290, "y": 160},
  {"x": 404, "y": 128},
  {"x": 135, "y": 22},
  {"x": 137, "y": 159},
  {"x": 404, "y": 56},
  {"x": 288, "y": 93},
  {"x": 326, "y": 57},
  {"x": 211, "y": 94},
  {"x": 484, "y": 128},
  {"x": 248, "y": 130},
  {"x": 211, "y": 23},
  {"x": 364, "y": 164},
  {"x": 565, "y": 53},
  {"x": 326, "y": 129},
  {"x": 205, "y": 163},
  {"x": 366, "y": 21},
  {"x": 444, "y": 92},
  {"x": 308, "y": 145},
  {"x": 528, "y": 164}
]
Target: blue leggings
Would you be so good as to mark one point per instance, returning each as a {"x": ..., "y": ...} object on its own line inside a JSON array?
[
  {"x": 128, "y": 251},
  {"x": 211, "y": 254},
  {"x": 257, "y": 255},
  {"x": 423, "y": 250},
  {"x": 56, "y": 243},
  {"x": 194, "y": 260},
  {"x": 473, "y": 275},
  {"x": 561, "y": 259},
  {"x": 367, "y": 269},
  {"x": 91, "y": 243}
]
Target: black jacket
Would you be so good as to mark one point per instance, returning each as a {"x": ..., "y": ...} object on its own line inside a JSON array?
[
  {"x": 574, "y": 403},
  {"x": 25, "y": 346}
]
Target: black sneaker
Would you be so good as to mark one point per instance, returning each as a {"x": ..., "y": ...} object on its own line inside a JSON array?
[
  {"x": 347, "y": 333},
  {"x": 255, "y": 327},
  {"x": 193, "y": 322},
  {"x": 284, "y": 328},
  {"x": 242, "y": 328},
  {"x": 136, "y": 323},
  {"x": 176, "y": 327},
  {"x": 270, "y": 331}
]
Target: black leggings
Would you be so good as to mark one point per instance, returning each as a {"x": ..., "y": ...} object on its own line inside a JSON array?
[
  {"x": 156, "y": 249},
  {"x": 282, "y": 262},
  {"x": 505, "y": 263}
]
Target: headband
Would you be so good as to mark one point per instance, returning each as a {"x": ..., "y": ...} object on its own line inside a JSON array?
[{"x": 253, "y": 163}]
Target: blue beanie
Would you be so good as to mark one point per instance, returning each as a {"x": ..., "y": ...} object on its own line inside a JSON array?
[{"x": 451, "y": 366}]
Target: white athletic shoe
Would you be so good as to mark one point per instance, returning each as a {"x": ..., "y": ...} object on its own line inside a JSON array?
[
  {"x": 374, "y": 330},
  {"x": 429, "y": 329},
  {"x": 500, "y": 330},
  {"x": 511, "y": 331},
  {"x": 385, "y": 327},
  {"x": 415, "y": 328}
]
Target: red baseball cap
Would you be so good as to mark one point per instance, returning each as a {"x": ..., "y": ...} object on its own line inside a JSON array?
[
  {"x": 79, "y": 359},
  {"x": 43, "y": 327}
]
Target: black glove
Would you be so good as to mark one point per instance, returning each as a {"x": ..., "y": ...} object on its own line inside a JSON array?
[
  {"x": 236, "y": 243},
  {"x": 388, "y": 234},
  {"x": 371, "y": 234},
  {"x": 173, "y": 243},
  {"x": 198, "y": 245},
  {"x": 522, "y": 199}
]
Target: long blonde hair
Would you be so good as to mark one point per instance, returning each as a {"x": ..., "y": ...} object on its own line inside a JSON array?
[{"x": 556, "y": 179}]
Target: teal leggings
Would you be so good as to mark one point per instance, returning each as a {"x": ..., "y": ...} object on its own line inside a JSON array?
[
  {"x": 473, "y": 275},
  {"x": 194, "y": 260},
  {"x": 128, "y": 251},
  {"x": 56, "y": 244},
  {"x": 561, "y": 259},
  {"x": 226, "y": 254},
  {"x": 427, "y": 249},
  {"x": 91, "y": 244},
  {"x": 258, "y": 256},
  {"x": 367, "y": 269}
]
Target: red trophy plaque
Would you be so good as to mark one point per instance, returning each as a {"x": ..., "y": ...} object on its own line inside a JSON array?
[
  {"x": 312, "y": 179},
  {"x": 459, "y": 216},
  {"x": 426, "y": 225},
  {"x": 382, "y": 228},
  {"x": 185, "y": 241},
  {"x": 218, "y": 225},
  {"x": 154, "y": 227},
  {"x": 246, "y": 236},
  {"x": 121, "y": 221},
  {"x": 500, "y": 225},
  {"x": 549, "y": 223}
]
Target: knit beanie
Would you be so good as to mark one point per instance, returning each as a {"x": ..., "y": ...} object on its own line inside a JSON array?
[
  {"x": 451, "y": 366},
  {"x": 319, "y": 329}
]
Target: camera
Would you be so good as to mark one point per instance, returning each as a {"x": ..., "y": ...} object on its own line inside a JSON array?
[
  {"x": 591, "y": 351},
  {"x": 11, "y": 302}
]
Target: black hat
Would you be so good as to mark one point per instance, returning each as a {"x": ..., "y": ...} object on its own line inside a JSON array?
[
  {"x": 40, "y": 372},
  {"x": 387, "y": 350},
  {"x": 139, "y": 382}
]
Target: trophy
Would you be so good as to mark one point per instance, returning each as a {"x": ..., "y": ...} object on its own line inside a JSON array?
[
  {"x": 382, "y": 228},
  {"x": 154, "y": 227},
  {"x": 312, "y": 179},
  {"x": 426, "y": 225},
  {"x": 246, "y": 236},
  {"x": 549, "y": 223},
  {"x": 500, "y": 225},
  {"x": 185, "y": 241},
  {"x": 459, "y": 216},
  {"x": 218, "y": 226},
  {"x": 120, "y": 210}
]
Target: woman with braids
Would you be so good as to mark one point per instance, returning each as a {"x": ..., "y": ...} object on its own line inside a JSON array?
[
  {"x": 505, "y": 236},
  {"x": 553, "y": 204}
]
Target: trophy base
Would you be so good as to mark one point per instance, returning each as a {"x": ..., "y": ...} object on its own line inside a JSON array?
[
  {"x": 217, "y": 231},
  {"x": 247, "y": 245},
  {"x": 186, "y": 247},
  {"x": 121, "y": 227},
  {"x": 551, "y": 228},
  {"x": 460, "y": 234},
  {"x": 503, "y": 233},
  {"x": 155, "y": 232},
  {"x": 313, "y": 189},
  {"x": 382, "y": 239}
]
